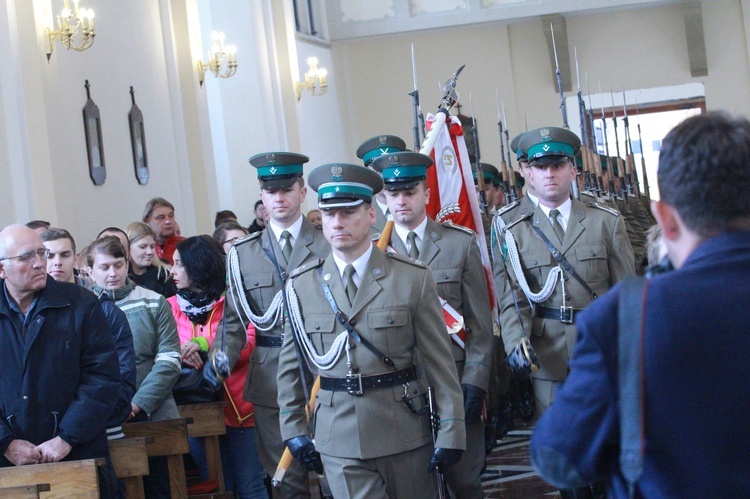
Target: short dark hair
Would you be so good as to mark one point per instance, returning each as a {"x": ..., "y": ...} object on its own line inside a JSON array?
[
  {"x": 704, "y": 173},
  {"x": 55, "y": 233},
  {"x": 257, "y": 203},
  {"x": 38, "y": 224},
  {"x": 220, "y": 234},
  {"x": 114, "y": 229},
  {"x": 224, "y": 216},
  {"x": 154, "y": 203},
  {"x": 106, "y": 245},
  {"x": 203, "y": 259}
]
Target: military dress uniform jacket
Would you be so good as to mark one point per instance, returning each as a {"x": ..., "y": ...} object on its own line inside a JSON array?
[
  {"x": 261, "y": 283},
  {"x": 596, "y": 246},
  {"x": 452, "y": 254},
  {"x": 397, "y": 309}
]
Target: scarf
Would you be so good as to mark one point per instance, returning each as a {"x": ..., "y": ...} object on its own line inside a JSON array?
[{"x": 196, "y": 305}]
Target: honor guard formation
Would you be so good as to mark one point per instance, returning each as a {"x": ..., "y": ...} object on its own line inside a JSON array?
[{"x": 384, "y": 343}]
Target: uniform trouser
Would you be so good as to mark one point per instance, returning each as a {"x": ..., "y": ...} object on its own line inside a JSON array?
[
  {"x": 544, "y": 393},
  {"x": 463, "y": 477},
  {"x": 398, "y": 475},
  {"x": 270, "y": 447}
]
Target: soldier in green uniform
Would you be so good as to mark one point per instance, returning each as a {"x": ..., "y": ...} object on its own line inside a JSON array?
[
  {"x": 589, "y": 237},
  {"x": 376, "y": 356},
  {"x": 368, "y": 151},
  {"x": 452, "y": 254},
  {"x": 257, "y": 268}
]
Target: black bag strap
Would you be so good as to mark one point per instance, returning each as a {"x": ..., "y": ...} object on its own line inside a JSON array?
[
  {"x": 561, "y": 260},
  {"x": 631, "y": 378},
  {"x": 344, "y": 321}
]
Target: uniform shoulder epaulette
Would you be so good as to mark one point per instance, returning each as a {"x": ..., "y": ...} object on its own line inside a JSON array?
[
  {"x": 249, "y": 237},
  {"x": 461, "y": 228},
  {"x": 603, "y": 208},
  {"x": 406, "y": 259},
  {"x": 312, "y": 264},
  {"x": 508, "y": 207},
  {"x": 518, "y": 220}
]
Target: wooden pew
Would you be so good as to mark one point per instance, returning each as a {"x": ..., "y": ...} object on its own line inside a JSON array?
[
  {"x": 170, "y": 439},
  {"x": 208, "y": 423},
  {"x": 24, "y": 491},
  {"x": 66, "y": 479},
  {"x": 130, "y": 461}
]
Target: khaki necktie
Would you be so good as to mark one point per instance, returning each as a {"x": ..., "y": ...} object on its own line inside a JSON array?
[
  {"x": 287, "y": 249},
  {"x": 556, "y": 225},
  {"x": 411, "y": 238},
  {"x": 351, "y": 288}
]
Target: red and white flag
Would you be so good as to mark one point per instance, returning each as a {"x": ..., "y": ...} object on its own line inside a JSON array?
[{"x": 452, "y": 193}]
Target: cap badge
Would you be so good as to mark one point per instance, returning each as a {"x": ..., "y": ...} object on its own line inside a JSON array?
[
  {"x": 393, "y": 159},
  {"x": 397, "y": 172},
  {"x": 383, "y": 140},
  {"x": 336, "y": 172},
  {"x": 271, "y": 158},
  {"x": 337, "y": 189},
  {"x": 273, "y": 170},
  {"x": 544, "y": 132},
  {"x": 545, "y": 147}
]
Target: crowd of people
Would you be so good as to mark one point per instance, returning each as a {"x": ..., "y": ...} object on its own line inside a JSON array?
[{"x": 361, "y": 337}]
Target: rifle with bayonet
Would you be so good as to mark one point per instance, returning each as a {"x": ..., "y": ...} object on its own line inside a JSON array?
[
  {"x": 477, "y": 167},
  {"x": 511, "y": 172},
  {"x": 630, "y": 174},
  {"x": 417, "y": 107},
  {"x": 449, "y": 99},
  {"x": 607, "y": 160},
  {"x": 596, "y": 161},
  {"x": 618, "y": 159},
  {"x": 585, "y": 140},
  {"x": 646, "y": 190},
  {"x": 503, "y": 165},
  {"x": 563, "y": 106}
]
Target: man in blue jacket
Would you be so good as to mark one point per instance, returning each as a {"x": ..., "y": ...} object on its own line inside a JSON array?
[
  {"x": 60, "y": 368},
  {"x": 694, "y": 440}
]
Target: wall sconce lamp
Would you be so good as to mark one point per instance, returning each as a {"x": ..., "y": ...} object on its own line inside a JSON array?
[
  {"x": 68, "y": 24},
  {"x": 217, "y": 56},
  {"x": 316, "y": 81}
]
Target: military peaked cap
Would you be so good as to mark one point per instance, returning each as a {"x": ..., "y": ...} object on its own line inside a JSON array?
[
  {"x": 489, "y": 174},
  {"x": 520, "y": 155},
  {"x": 402, "y": 170},
  {"x": 549, "y": 142},
  {"x": 375, "y": 146},
  {"x": 340, "y": 185},
  {"x": 278, "y": 170}
]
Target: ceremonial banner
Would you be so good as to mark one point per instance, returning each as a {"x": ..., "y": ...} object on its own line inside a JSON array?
[{"x": 452, "y": 193}]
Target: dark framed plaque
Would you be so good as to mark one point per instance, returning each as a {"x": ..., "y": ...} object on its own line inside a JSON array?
[
  {"x": 138, "y": 141},
  {"x": 92, "y": 127}
]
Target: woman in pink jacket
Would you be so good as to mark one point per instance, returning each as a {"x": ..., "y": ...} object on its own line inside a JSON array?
[{"x": 199, "y": 272}]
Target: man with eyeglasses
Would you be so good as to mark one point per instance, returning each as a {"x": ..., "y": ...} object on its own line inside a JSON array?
[
  {"x": 159, "y": 214},
  {"x": 59, "y": 363}
]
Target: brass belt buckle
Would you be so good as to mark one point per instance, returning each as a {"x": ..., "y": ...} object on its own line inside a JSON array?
[
  {"x": 566, "y": 315},
  {"x": 354, "y": 384}
]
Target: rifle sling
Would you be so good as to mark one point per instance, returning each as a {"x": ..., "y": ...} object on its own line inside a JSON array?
[{"x": 561, "y": 259}]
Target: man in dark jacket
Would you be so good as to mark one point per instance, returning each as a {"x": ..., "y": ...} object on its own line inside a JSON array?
[
  {"x": 686, "y": 439},
  {"x": 60, "y": 368}
]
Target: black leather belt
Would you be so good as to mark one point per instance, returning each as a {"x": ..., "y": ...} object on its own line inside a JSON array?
[
  {"x": 566, "y": 315},
  {"x": 356, "y": 384},
  {"x": 268, "y": 341}
]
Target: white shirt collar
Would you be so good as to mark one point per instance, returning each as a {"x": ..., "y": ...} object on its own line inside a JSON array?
[
  {"x": 383, "y": 207},
  {"x": 564, "y": 210},
  {"x": 293, "y": 230},
  {"x": 359, "y": 265},
  {"x": 418, "y": 230}
]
